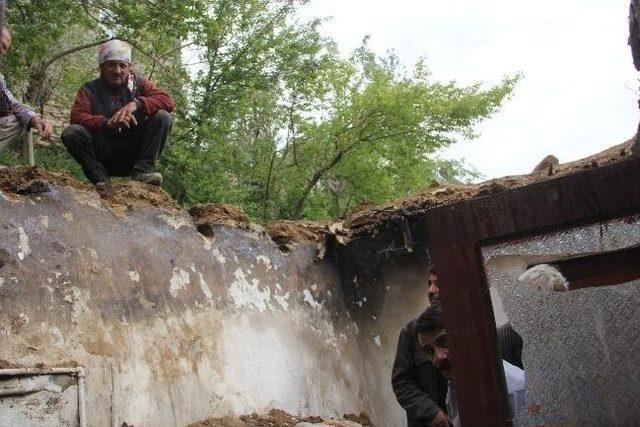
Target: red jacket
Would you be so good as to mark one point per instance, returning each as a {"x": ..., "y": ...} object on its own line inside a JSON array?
[{"x": 149, "y": 97}]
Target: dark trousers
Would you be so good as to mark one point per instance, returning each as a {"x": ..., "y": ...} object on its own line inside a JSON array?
[{"x": 118, "y": 154}]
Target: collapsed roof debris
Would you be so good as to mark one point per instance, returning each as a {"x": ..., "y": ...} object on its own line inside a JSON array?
[
  {"x": 366, "y": 219},
  {"x": 278, "y": 418}
]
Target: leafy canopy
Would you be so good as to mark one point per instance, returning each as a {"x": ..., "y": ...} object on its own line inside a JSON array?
[{"x": 270, "y": 116}]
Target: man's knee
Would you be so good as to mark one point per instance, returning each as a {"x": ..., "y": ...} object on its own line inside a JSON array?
[
  {"x": 74, "y": 134},
  {"x": 162, "y": 118}
]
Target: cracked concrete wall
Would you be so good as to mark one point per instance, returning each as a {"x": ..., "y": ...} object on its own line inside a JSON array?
[
  {"x": 582, "y": 347},
  {"x": 171, "y": 326}
]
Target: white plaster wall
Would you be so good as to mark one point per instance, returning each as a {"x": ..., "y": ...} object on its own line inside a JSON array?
[{"x": 172, "y": 327}]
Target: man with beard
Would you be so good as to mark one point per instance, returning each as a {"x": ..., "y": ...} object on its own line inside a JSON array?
[
  {"x": 432, "y": 338},
  {"x": 419, "y": 388}
]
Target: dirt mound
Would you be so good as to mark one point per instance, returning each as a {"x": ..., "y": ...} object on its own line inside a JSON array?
[
  {"x": 129, "y": 196},
  {"x": 278, "y": 418},
  {"x": 367, "y": 219},
  {"x": 363, "y": 419},
  {"x": 289, "y": 234},
  {"x": 122, "y": 197},
  {"x": 208, "y": 215},
  {"x": 28, "y": 179}
]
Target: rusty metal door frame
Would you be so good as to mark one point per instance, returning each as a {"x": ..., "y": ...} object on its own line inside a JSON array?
[{"x": 458, "y": 232}]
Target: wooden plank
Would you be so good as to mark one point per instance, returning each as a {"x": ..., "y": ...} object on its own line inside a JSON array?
[
  {"x": 468, "y": 314},
  {"x": 590, "y": 196},
  {"x": 606, "y": 269}
]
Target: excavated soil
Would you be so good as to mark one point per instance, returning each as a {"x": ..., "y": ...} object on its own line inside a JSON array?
[
  {"x": 366, "y": 219},
  {"x": 20, "y": 180},
  {"x": 219, "y": 214},
  {"x": 278, "y": 418},
  {"x": 129, "y": 196},
  {"x": 289, "y": 234},
  {"x": 123, "y": 197}
]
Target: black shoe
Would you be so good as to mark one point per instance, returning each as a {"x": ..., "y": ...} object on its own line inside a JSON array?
[{"x": 153, "y": 178}]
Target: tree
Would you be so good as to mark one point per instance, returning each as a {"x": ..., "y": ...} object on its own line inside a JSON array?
[{"x": 270, "y": 115}]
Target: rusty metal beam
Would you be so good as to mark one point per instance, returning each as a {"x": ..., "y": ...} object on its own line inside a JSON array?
[{"x": 456, "y": 234}]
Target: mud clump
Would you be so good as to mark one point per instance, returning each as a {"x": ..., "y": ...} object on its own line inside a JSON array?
[
  {"x": 209, "y": 215},
  {"x": 290, "y": 234},
  {"x": 129, "y": 196},
  {"x": 278, "y": 418},
  {"x": 34, "y": 180},
  {"x": 123, "y": 197}
]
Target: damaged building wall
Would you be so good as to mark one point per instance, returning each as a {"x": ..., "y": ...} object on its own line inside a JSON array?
[
  {"x": 581, "y": 347},
  {"x": 171, "y": 326},
  {"x": 384, "y": 276}
]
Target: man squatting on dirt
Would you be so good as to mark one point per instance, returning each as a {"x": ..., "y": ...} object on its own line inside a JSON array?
[{"x": 120, "y": 121}]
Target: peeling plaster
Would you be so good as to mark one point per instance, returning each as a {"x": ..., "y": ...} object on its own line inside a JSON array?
[
  {"x": 308, "y": 298},
  {"x": 45, "y": 221},
  {"x": 25, "y": 249},
  {"x": 261, "y": 259},
  {"x": 68, "y": 216},
  {"x": 377, "y": 340},
  {"x": 174, "y": 221},
  {"x": 178, "y": 281},
  {"x": 282, "y": 301},
  {"x": 207, "y": 243},
  {"x": 134, "y": 275},
  {"x": 205, "y": 289},
  {"x": 245, "y": 294},
  {"x": 78, "y": 300},
  {"x": 221, "y": 259}
]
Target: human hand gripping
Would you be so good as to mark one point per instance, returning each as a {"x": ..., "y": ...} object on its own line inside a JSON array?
[
  {"x": 440, "y": 420},
  {"x": 124, "y": 117},
  {"x": 44, "y": 129}
]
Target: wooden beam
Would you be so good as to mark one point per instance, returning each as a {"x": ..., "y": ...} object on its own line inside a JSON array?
[
  {"x": 477, "y": 371},
  {"x": 457, "y": 233},
  {"x": 606, "y": 269}
]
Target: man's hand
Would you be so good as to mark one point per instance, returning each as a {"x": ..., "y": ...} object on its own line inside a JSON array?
[
  {"x": 440, "y": 420},
  {"x": 43, "y": 128},
  {"x": 124, "y": 117}
]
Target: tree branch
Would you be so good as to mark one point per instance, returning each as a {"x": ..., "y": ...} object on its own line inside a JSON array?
[{"x": 319, "y": 173}]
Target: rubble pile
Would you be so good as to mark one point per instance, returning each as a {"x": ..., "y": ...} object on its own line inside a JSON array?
[{"x": 278, "y": 418}]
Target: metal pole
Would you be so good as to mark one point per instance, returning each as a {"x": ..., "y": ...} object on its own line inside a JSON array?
[{"x": 77, "y": 372}]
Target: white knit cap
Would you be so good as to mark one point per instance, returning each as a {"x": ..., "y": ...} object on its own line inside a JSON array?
[{"x": 114, "y": 50}]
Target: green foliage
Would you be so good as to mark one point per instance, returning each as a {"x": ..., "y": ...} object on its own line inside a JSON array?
[{"x": 270, "y": 116}]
